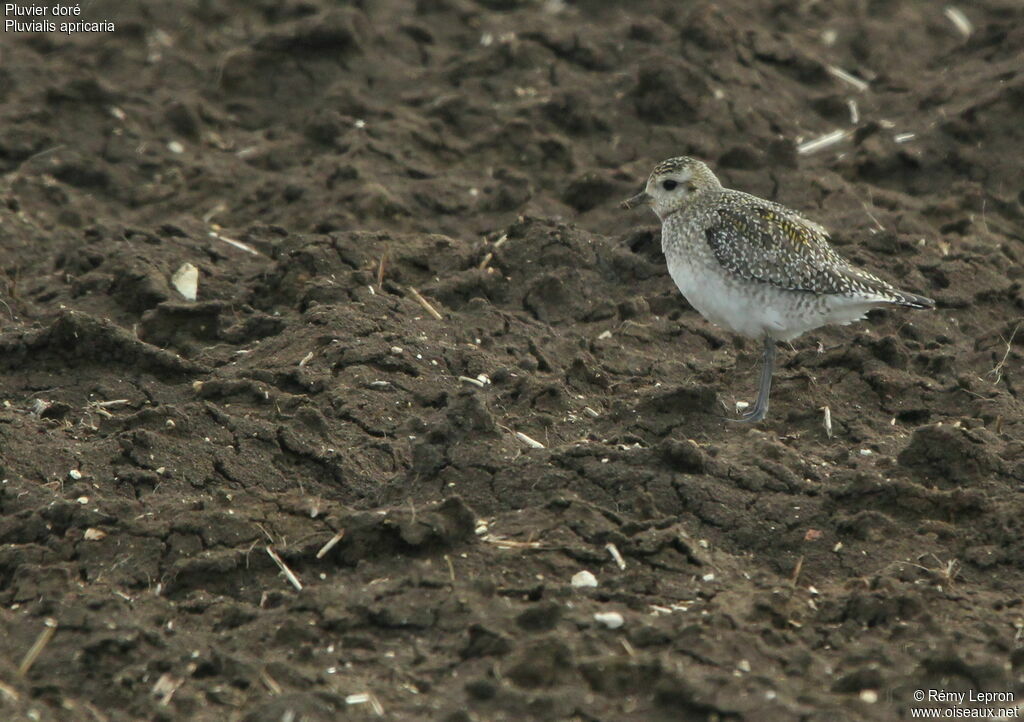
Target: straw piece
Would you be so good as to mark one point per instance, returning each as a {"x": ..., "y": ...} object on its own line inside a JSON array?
[
  {"x": 333, "y": 542},
  {"x": 847, "y": 78},
  {"x": 616, "y": 555},
  {"x": 237, "y": 244},
  {"x": 288, "y": 573},
  {"x": 532, "y": 443},
  {"x": 959, "y": 20},
  {"x": 825, "y": 141},
  {"x": 38, "y": 646},
  {"x": 9, "y": 692},
  {"x": 381, "y": 266},
  {"x": 425, "y": 303},
  {"x": 270, "y": 683}
]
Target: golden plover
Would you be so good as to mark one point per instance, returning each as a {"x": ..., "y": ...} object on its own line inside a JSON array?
[{"x": 755, "y": 267}]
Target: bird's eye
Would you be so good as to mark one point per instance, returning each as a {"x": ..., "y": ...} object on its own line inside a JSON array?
[{"x": 669, "y": 185}]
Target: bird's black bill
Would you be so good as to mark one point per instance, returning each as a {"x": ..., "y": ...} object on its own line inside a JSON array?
[{"x": 640, "y": 199}]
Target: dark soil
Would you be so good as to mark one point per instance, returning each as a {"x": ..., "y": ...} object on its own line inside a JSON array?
[{"x": 153, "y": 448}]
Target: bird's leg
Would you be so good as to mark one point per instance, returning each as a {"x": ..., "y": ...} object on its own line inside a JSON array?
[{"x": 768, "y": 366}]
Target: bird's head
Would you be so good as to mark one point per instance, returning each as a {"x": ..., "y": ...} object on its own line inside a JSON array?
[{"x": 674, "y": 184}]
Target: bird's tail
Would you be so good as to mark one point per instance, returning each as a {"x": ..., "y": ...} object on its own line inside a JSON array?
[{"x": 912, "y": 300}]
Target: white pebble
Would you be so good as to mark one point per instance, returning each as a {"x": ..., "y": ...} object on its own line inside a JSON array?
[
  {"x": 186, "y": 280},
  {"x": 612, "y": 620},
  {"x": 75, "y": 474},
  {"x": 584, "y": 579}
]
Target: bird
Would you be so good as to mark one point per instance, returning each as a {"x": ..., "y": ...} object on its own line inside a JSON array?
[{"x": 756, "y": 267}]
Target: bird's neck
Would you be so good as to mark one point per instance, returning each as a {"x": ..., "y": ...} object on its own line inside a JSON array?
[{"x": 694, "y": 201}]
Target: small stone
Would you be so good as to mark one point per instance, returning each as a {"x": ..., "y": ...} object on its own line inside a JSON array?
[
  {"x": 611, "y": 620},
  {"x": 186, "y": 280},
  {"x": 583, "y": 580},
  {"x": 75, "y": 474}
]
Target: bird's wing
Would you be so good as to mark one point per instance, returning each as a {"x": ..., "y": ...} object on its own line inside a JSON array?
[{"x": 758, "y": 240}]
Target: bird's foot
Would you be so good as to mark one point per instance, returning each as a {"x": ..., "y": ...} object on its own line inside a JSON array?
[{"x": 753, "y": 416}]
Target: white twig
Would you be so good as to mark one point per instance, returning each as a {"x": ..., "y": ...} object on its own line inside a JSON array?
[
  {"x": 825, "y": 141},
  {"x": 847, "y": 78},
  {"x": 108, "y": 404},
  {"x": 614, "y": 551},
  {"x": 532, "y": 443},
  {"x": 503, "y": 543},
  {"x": 959, "y": 20},
  {"x": 237, "y": 244}
]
